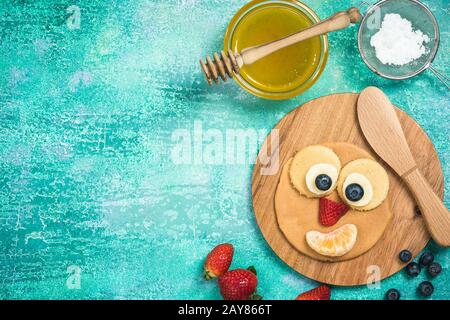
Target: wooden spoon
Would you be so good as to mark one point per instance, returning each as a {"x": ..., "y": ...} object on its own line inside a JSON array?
[
  {"x": 225, "y": 64},
  {"x": 382, "y": 129}
]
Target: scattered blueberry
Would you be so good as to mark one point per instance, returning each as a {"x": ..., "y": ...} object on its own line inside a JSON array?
[
  {"x": 426, "y": 288},
  {"x": 426, "y": 258},
  {"x": 413, "y": 269},
  {"x": 354, "y": 192},
  {"x": 417, "y": 211},
  {"x": 323, "y": 182},
  {"x": 434, "y": 269},
  {"x": 405, "y": 255},
  {"x": 392, "y": 294}
]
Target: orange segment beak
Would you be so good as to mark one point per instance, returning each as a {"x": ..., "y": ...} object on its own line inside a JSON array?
[{"x": 331, "y": 211}]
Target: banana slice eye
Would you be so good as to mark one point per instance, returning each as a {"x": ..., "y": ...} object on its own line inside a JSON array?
[
  {"x": 314, "y": 171},
  {"x": 321, "y": 178},
  {"x": 363, "y": 184},
  {"x": 357, "y": 189}
]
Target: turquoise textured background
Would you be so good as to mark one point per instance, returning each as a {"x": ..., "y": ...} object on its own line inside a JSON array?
[{"x": 86, "y": 177}]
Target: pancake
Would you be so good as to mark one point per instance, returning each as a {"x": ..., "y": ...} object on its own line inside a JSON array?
[{"x": 298, "y": 214}]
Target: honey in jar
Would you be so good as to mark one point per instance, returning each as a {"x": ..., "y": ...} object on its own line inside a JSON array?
[{"x": 289, "y": 71}]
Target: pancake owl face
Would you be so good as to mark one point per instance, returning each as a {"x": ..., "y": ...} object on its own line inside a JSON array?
[{"x": 331, "y": 202}]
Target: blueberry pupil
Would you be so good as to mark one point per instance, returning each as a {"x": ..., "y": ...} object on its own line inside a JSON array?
[
  {"x": 323, "y": 182},
  {"x": 354, "y": 192}
]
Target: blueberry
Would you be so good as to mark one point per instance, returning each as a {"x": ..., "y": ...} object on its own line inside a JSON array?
[
  {"x": 434, "y": 269},
  {"x": 426, "y": 258},
  {"x": 392, "y": 294},
  {"x": 354, "y": 192},
  {"x": 405, "y": 255},
  {"x": 413, "y": 269},
  {"x": 323, "y": 182},
  {"x": 426, "y": 288}
]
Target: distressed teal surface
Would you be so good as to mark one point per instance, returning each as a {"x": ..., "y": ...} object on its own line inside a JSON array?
[{"x": 86, "y": 123}]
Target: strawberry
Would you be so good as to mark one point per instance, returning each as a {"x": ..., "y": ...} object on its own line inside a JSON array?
[
  {"x": 239, "y": 284},
  {"x": 330, "y": 211},
  {"x": 322, "y": 292},
  {"x": 218, "y": 261}
]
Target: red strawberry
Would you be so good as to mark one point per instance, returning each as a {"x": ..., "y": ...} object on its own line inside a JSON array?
[
  {"x": 218, "y": 261},
  {"x": 331, "y": 211},
  {"x": 239, "y": 284},
  {"x": 320, "y": 293}
]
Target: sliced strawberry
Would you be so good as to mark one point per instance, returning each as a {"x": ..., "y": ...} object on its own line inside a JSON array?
[
  {"x": 218, "y": 261},
  {"x": 322, "y": 292},
  {"x": 331, "y": 211}
]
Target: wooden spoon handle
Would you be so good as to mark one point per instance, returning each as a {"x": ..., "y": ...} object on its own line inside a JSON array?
[
  {"x": 338, "y": 21},
  {"x": 433, "y": 209}
]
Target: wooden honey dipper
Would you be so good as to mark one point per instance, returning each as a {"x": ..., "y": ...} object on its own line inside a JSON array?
[{"x": 227, "y": 63}]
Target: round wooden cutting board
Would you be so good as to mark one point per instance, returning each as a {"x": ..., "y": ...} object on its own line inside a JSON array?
[{"x": 333, "y": 119}]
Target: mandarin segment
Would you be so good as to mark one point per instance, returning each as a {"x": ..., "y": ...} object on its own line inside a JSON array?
[{"x": 335, "y": 243}]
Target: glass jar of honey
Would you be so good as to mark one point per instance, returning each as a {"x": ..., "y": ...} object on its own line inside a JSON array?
[{"x": 289, "y": 71}]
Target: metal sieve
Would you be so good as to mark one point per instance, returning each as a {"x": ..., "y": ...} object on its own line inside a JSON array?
[{"x": 421, "y": 18}]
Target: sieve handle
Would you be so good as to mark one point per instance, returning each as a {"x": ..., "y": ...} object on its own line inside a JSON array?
[{"x": 442, "y": 78}]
